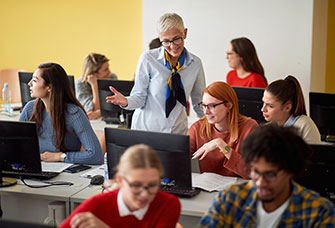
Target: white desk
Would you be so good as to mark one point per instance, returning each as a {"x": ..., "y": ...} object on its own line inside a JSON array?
[
  {"x": 31, "y": 204},
  {"x": 14, "y": 117}
]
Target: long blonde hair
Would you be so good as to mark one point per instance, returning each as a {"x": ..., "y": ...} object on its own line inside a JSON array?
[
  {"x": 139, "y": 156},
  {"x": 224, "y": 92},
  {"x": 92, "y": 64}
]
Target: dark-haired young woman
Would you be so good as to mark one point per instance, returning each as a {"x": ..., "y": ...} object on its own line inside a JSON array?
[
  {"x": 62, "y": 124},
  {"x": 284, "y": 104},
  {"x": 247, "y": 69}
]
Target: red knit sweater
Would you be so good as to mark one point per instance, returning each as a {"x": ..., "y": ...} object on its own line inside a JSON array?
[
  {"x": 215, "y": 161},
  {"x": 163, "y": 211},
  {"x": 252, "y": 80}
]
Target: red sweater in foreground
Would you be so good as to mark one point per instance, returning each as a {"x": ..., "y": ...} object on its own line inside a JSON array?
[
  {"x": 215, "y": 161},
  {"x": 163, "y": 211},
  {"x": 252, "y": 80}
]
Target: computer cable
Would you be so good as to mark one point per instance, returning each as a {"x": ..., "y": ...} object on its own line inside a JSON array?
[{"x": 47, "y": 183}]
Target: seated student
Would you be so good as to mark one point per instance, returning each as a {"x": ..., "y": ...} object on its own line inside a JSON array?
[
  {"x": 271, "y": 198},
  {"x": 95, "y": 67},
  {"x": 247, "y": 69},
  {"x": 61, "y": 121},
  {"x": 216, "y": 138},
  {"x": 284, "y": 104},
  {"x": 138, "y": 203}
]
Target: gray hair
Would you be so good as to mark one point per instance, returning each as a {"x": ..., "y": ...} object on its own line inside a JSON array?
[{"x": 169, "y": 21}]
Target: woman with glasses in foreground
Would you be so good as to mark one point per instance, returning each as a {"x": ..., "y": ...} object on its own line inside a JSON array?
[
  {"x": 137, "y": 203},
  {"x": 216, "y": 138}
]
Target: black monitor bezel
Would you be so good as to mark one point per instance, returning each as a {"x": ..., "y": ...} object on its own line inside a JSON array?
[
  {"x": 322, "y": 112},
  {"x": 320, "y": 170},
  {"x": 109, "y": 110},
  {"x": 19, "y": 147},
  {"x": 176, "y": 167},
  {"x": 250, "y": 98}
]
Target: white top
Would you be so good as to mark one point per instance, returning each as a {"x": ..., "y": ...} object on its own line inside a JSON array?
[
  {"x": 269, "y": 220},
  {"x": 148, "y": 94},
  {"x": 308, "y": 130},
  {"x": 124, "y": 211}
]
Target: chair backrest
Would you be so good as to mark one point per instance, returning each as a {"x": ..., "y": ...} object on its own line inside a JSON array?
[{"x": 11, "y": 77}]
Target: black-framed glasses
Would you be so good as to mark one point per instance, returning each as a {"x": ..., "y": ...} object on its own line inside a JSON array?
[
  {"x": 267, "y": 176},
  {"x": 211, "y": 106},
  {"x": 175, "y": 41},
  {"x": 137, "y": 188}
]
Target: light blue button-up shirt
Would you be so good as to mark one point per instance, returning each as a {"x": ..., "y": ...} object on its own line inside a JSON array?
[{"x": 148, "y": 93}]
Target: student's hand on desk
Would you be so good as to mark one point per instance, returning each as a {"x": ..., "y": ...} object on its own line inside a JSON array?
[
  {"x": 208, "y": 147},
  {"x": 51, "y": 156},
  {"x": 93, "y": 115},
  {"x": 117, "y": 98},
  {"x": 87, "y": 220}
]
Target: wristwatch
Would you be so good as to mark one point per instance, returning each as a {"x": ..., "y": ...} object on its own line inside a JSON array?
[
  {"x": 63, "y": 156},
  {"x": 226, "y": 149}
]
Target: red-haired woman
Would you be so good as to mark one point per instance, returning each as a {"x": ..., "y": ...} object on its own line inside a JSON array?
[{"x": 216, "y": 138}]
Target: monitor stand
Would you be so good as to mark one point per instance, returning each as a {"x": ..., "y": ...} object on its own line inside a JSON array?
[{"x": 5, "y": 181}]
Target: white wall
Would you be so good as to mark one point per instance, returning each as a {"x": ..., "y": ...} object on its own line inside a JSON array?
[{"x": 281, "y": 31}]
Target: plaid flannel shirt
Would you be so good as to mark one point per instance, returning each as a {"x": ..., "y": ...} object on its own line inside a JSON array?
[{"x": 236, "y": 207}]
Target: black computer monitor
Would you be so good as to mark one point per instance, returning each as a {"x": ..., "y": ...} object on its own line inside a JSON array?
[
  {"x": 250, "y": 102},
  {"x": 320, "y": 172},
  {"x": 322, "y": 111},
  {"x": 21, "y": 224},
  {"x": 24, "y": 78},
  {"x": 111, "y": 113},
  {"x": 172, "y": 149},
  {"x": 19, "y": 148}
]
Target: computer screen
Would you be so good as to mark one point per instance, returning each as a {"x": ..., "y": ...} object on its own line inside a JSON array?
[
  {"x": 19, "y": 148},
  {"x": 113, "y": 113},
  {"x": 319, "y": 174},
  {"x": 20, "y": 224},
  {"x": 250, "y": 102},
  {"x": 322, "y": 111},
  {"x": 172, "y": 149},
  {"x": 24, "y": 78}
]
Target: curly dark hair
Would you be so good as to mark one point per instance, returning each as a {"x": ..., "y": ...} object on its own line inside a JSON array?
[{"x": 278, "y": 145}]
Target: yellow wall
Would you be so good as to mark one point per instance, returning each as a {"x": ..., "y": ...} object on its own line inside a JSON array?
[
  {"x": 64, "y": 31},
  {"x": 330, "y": 63}
]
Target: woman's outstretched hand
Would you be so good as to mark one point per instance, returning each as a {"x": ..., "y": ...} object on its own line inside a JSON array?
[{"x": 117, "y": 98}]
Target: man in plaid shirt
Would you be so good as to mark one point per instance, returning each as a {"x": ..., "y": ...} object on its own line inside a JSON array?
[{"x": 271, "y": 198}]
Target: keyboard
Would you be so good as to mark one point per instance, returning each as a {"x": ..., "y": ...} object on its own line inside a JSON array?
[
  {"x": 186, "y": 193},
  {"x": 40, "y": 176}
]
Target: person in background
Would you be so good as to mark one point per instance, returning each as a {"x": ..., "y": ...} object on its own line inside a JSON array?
[
  {"x": 95, "y": 67},
  {"x": 284, "y": 104},
  {"x": 216, "y": 138},
  {"x": 165, "y": 78},
  {"x": 247, "y": 69},
  {"x": 61, "y": 121},
  {"x": 155, "y": 43},
  {"x": 138, "y": 201},
  {"x": 271, "y": 198}
]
